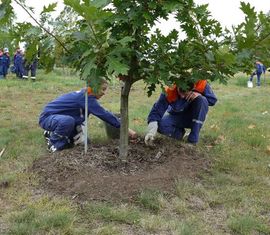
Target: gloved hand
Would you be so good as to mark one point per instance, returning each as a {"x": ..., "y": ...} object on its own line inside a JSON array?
[
  {"x": 79, "y": 128},
  {"x": 151, "y": 133},
  {"x": 79, "y": 138}
]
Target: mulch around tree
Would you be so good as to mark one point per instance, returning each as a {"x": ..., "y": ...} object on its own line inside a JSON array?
[{"x": 100, "y": 175}]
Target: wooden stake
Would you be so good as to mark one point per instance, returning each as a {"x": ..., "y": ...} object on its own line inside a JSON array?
[{"x": 86, "y": 120}]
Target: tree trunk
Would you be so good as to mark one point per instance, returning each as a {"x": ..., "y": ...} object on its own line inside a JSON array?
[{"x": 123, "y": 151}]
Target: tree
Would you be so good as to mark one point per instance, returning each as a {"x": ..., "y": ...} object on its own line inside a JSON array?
[
  {"x": 251, "y": 39},
  {"x": 114, "y": 39}
]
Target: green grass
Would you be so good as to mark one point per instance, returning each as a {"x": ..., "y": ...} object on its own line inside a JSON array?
[
  {"x": 122, "y": 214},
  {"x": 247, "y": 224},
  {"x": 44, "y": 216},
  {"x": 232, "y": 197},
  {"x": 150, "y": 199}
]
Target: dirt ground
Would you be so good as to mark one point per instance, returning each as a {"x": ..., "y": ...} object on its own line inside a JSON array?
[{"x": 99, "y": 175}]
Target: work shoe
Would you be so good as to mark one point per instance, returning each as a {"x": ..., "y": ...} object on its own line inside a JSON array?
[
  {"x": 47, "y": 134},
  {"x": 52, "y": 149},
  {"x": 187, "y": 142}
]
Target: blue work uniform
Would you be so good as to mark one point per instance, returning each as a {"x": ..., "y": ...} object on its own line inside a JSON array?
[
  {"x": 32, "y": 67},
  {"x": 6, "y": 64},
  {"x": 18, "y": 63},
  {"x": 2, "y": 66},
  {"x": 62, "y": 115},
  {"x": 260, "y": 68},
  {"x": 174, "y": 116}
]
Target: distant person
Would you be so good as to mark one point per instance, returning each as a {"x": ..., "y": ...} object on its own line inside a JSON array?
[
  {"x": 18, "y": 63},
  {"x": 6, "y": 62},
  {"x": 176, "y": 110},
  {"x": 260, "y": 69},
  {"x": 1, "y": 64},
  {"x": 63, "y": 118},
  {"x": 32, "y": 67}
]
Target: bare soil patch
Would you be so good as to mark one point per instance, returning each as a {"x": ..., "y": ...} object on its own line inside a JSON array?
[{"x": 100, "y": 175}]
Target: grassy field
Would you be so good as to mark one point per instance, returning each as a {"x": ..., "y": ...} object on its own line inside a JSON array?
[{"x": 233, "y": 197}]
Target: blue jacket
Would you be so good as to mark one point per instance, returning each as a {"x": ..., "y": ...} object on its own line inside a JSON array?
[
  {"x": 260, "y": 68},
  {"x": 179, "y": 105},
  {"x": 18, "y": 63},
  {"x": 73, "y": 104},
  {"x": 6, "y": 60},
  {"x": 2, "y": 65}
]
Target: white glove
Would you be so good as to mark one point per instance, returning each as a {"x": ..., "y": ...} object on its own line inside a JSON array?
[
  {"x": 79, "y": 128},
  {"x": 151, "y": 133},
  {"x": 79, "y": 138}
]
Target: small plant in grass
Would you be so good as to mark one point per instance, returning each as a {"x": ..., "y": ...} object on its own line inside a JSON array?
[
  {"x": 107, "y": 230},
  {"x": 248, "y": 224},
  {"x": 186, "y": 229},
  {"x": 122, "y": 214},
  {"x": 7, "y": 179},
  {"x": 150, "y": 199},
  {"x": 180, "y": 206},
  {"x": 33, "y": 221},
  {"x": 185, "y": 188},
  {"x": 154, "y": 223}
]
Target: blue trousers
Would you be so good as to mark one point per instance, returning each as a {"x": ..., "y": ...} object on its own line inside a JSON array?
[
  {"x": 62, "y": 128},
  {"x": 258, "y": 78},
  {"x": 5, "y": 70},
  {"x": 193, "y": 117},
  {"x": 19, "y": 70},
  {"x": 2, "y": 72},
  {"x": 32, "y": 68}
]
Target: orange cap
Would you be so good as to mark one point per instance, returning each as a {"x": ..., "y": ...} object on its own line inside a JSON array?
[{"x": 89, "y": 90}]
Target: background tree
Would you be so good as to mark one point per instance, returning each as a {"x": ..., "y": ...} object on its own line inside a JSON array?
[
  {"x": 251, "y": 39},
  {"x": 6, "y": 17}
]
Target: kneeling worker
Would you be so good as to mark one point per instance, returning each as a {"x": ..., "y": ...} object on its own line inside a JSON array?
[
  {"x": 176, "y": 110},
  {"x": 63, "y": 118}
]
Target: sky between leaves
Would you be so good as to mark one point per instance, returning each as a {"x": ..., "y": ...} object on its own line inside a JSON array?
[{"x": 227, "y": 12}]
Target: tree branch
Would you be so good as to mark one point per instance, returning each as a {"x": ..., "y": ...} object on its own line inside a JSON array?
[
  {"x": 93, "y": 31},
  {"x": 263, "y": 38},
  {"x": 46, "y": 30}
]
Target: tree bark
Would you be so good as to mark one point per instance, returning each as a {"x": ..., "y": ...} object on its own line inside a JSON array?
[{"x": 123, "y": 151}]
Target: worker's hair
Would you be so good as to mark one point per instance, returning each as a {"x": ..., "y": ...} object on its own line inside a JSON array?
[{"x": 100, "y": 82}]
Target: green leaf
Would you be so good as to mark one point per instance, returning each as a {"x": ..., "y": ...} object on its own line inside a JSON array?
[
  {"x": 100, "y": 3},
  {"x": 116, "y": 67},
  {"x": 210, "y": 56},
  {"x": 75, "y": 5},
  {"x": 124, "y": 41},
  {"x": 79, "y": 36},
  {"x": 88, "y": 69},
  {"x": 51, "y": 7},
  {"x": 6, "y": 11}
]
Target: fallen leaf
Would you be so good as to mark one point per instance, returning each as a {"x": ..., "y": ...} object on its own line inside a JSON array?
[
  {"x": 268, "y": 149},
  {"x": 220, "y": 139},
  {"x": 252, "y": 126},
  {"x": 214, "y": 126}
]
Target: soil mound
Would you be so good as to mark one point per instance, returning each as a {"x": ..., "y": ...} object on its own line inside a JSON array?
[{"x": 99, "y": 175}]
